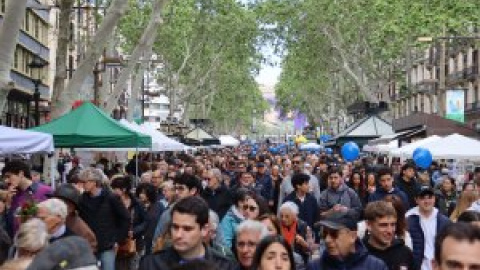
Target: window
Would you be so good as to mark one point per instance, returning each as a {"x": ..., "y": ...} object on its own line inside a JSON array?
[
  {"x": 36, "y": 28},
  {"x": 15, "y": 59},
  {"x": 2, "y": 6},
  {"x": 27, "y": 21}
]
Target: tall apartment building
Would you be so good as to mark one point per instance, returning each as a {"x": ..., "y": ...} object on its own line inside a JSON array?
[
  {"x": 32, "y": 41},
  {"x": 420, "y": 103}
]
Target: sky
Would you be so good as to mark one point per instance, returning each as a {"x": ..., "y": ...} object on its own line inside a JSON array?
[{"x": 269, "y": 75}]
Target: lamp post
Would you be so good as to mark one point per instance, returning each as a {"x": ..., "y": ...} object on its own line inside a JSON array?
[{"x": 37, "y": 64}]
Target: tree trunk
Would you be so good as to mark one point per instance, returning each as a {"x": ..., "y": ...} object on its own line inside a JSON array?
[
  {"x": 62, "y": 50},
  {"x": 142, "y": 46},
  {"x": 9, "y": 31},
  {"x": 137, "y": 81},
  {"x": 94, "y": 51}
]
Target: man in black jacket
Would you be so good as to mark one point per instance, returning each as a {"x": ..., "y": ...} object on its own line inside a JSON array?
[
  {"x": 105, "y": 214},
  {"x": 189, "y": 226},
  {"x": 381, "y": 241},
  {"x": 216, "y": 194}
]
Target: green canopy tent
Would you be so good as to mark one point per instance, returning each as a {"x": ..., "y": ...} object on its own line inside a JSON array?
[{"x": 89, "y": 127}]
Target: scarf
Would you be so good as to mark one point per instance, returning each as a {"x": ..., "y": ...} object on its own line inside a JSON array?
[{"x": 289, "y": 233}]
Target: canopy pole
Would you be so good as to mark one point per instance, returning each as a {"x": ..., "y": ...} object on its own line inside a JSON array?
[{"x": 136, "y": 166}]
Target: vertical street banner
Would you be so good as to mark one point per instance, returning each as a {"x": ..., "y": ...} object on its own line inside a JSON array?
[{"x": 455, "y": 107}]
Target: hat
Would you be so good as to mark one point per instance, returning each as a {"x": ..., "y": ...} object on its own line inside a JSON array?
[
  {"x": 67, "y": 192},
  {"x": 340, "y": 220},
  {"x": 445, "y": 171},
  {"x": 67, "y": 253},
  {"x": 425, "y": 190},
  {"x": 260, "y": 164}
]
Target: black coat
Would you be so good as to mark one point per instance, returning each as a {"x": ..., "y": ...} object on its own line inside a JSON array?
[
  {"x": 218, "y": 200},
  {"x": 154, "y": 211},
  {"x": 308, "y": 209},
  {"x": 397, "y": 256},
  {"x": 139, "y": 221},
  {"x": 169, "y": 258},
  {"x": 107, "y": 216}
]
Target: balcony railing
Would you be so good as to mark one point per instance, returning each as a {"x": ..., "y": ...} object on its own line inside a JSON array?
[
  {"x": 456, "y": 77},
  {"x": 471, "y": 73},
  {"x": 472, "y": 107},
  {"x": 427, "y": 86}
]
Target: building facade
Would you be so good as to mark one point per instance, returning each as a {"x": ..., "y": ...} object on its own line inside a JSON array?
[{"x": 32, "y": 42}]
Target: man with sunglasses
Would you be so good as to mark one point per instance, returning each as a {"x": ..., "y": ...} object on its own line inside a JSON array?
[{"x": 343, "y": 249}]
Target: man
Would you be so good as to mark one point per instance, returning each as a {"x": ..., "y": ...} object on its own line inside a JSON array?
[
  {"x": 457, "y": 247},
  {"x": 386, "y": 187},
  {"x": 286, "y": 186},
  {"x": 54, "y": 213},
  {"x": 408, "y": 184},
  {"x": 216, "y": 194},
  {"x": 189, "y": 226},
  {"x": 105, "y": 214},
  {"x": 307, "y": 204},
  {"x": 157, "y": 179},
  {"x": 264, "y": 179},
  {"x": 20, "y": 189},
  {"x": 36, "y": 176},
  {"x": 248, "y": 181},
  {"x": 424, "y": 222},
  {"x": 249, "y": 234},
  {"x": 185, "y": 186},
  {"x": 338, "y": 197},
  {"x": 343, "y": 248},
  {"x": 381, "y": 220},
  {"x": 71, "y": 197}
]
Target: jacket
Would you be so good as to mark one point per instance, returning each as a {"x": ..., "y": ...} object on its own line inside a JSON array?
[
  {"x": 360, "y": 260},
  {"x": 138, "y": 220},
  {"x": 397, "y": 256},
  {"x": 229, "y": 224},
  {"x": 75, "y": 223},
  {"x": 416, "y": 232},
  {"x": 445, "y": 203},
  {"x": 286, "y": 187},
  {"x": 154, "y": 211},
  {"x": 380, "y": 194},
  {"x": 218, "y": 200},
  {"x": 267, "y": 186},
  {"x": 344, "y": 196},
  {"x": 107, "y": 216},
  {"x": 410, "y": 188},
  {"x": 169, "y": 258},
  {"x": 308, "y": 209}
]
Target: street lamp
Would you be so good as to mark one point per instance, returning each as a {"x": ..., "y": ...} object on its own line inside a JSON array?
[{"x": 37, "y": 64}]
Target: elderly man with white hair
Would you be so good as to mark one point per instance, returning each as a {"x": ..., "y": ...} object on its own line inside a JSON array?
[
  {"x": 54, "y": 213},
  {"x": 294, "y": 230},
  {"x": 249, "y": 233}
]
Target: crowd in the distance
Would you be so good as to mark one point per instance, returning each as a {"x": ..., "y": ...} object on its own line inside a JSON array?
[{"x": 238, "y": 209}]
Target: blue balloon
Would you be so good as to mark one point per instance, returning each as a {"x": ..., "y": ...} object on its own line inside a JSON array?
[
  {"x": 350, "y": 151},
  {"x": 423, "y": 158},
  {"x": 417, "y": 150}
]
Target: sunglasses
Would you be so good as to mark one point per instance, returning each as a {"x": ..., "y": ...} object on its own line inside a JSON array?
[
  {"x": 333, "y": 233},
  {"x": 249, "y": 207}
]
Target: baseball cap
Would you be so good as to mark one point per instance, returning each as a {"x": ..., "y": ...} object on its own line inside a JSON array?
[
  {"x": 260, "y": 164},
  {"x": 425, "y": 190},
  {"x": 340, "y": 220}
]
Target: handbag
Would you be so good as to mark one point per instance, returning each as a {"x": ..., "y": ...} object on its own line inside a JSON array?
[{"x": 128, "y": 248}]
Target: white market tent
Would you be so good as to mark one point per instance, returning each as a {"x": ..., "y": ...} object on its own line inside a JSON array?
[
  {"x": 455, "y": 146},
  {"x": 229, "y": 141},
  {"x": 310, "y": 146},
  {"x": 17, "y": 141},
  {"x": 407, "y": 150},
  {"x": 160, "y": 141}
]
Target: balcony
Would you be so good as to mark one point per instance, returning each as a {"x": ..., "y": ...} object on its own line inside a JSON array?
[
  {"x": 472, "y": 107},
  {"x": 471, "y": 73},
  {"x": 426, "y": 86},
  {"x": 457, "y": 77}
]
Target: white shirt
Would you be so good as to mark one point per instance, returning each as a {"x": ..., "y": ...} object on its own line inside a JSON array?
[{"x": 429, "y": 228}]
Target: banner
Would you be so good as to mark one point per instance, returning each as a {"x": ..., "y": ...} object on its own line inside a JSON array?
[{"x": 455, "y": 107}]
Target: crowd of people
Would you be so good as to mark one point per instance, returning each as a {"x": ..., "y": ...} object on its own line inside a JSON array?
[{"x": 240, "y": 209}]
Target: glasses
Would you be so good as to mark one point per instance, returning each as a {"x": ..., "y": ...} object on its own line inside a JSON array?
[
  {"x": 249, "y": 207},
  {"x": 207, "y": 178},
  {"x": 296, "y": 162},
  {"x": 180, "y": 188},
  {"x": 333, "y": 233}
]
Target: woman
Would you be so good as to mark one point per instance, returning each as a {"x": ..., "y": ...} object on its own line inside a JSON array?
[
  {"x": 121, "y": 187},
  {"x": 358, "y": 185},
  {"x": 30, "y": 239},
  {"x": 401, "y": 228},
  {"x": 294, "y": 230},
  {"x": 371, "y": 183},
  {"x": 464, "y": 202},
  {"x": 446, "y": 196},
  {"x": 147, "y": 195},
  {"x": 234, "y": 216},
  {"x": 277, "y": 180},
  {"x": 255, "y": 206},
  {"x": 273, "y": 253}
]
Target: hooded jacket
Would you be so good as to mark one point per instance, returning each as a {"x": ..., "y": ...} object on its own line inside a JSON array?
[
  {"x": 342, "y": 195},
  {"x": 397, "y": 256},
  {"x": 229, "y": 224},
  {"x": 359, "y": 260}
]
